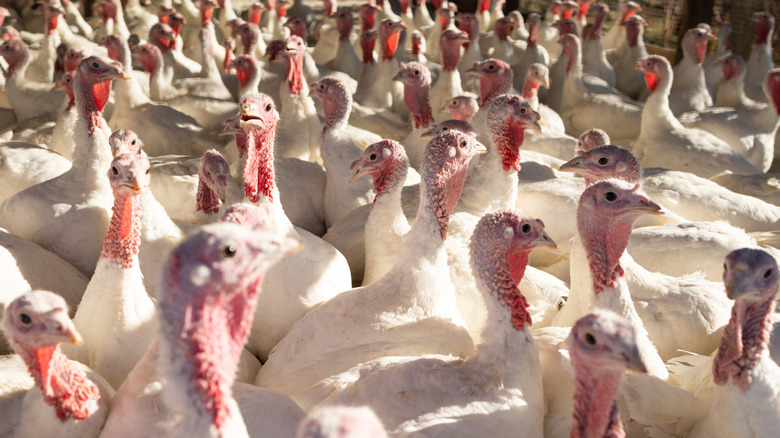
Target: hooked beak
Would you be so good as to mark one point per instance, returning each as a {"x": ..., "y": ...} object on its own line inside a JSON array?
[
  {"x": 62, "y": 329},
  {"x": 359, "y": 171},
  {"x": 634, "y": 361},
  {"x": 533, "y": 125},
  {"x": 479, "y": 148},
  {"x": 431, "y": 132},
  {"x": 573, "y": 165},
  {"x": 544, "y": 240},
  {"x": 647, "y": 207}
]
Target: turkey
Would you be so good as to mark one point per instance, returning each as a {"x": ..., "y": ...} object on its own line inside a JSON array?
[
  {"x": 79, "y": 200},
  {"x": 381, "y": 91},
  {"x": 731, "y": 91},
  {"x": 448, "y": 85},
  {"x": 116, "y": 316},
  {"x": 689, "y": 89},
  {"x": 628, "y": 79},
  {"x": 760, "y": 60},
  {"x": 408, "y": 311},
  {"x": 749, "y": 131},
  {"x": 665, "y": 142},
  {"x": 460, "y": 398},
  {"x": 534, "y": 53},
  {"x": 713, "y": 75},
  {"x": 63, "y": 398},
  {"x": 341, "y": 422},
  {"x": 594, "y": 58},
  {"x": 616, "y": 35},
  {"x": 211, "y": 280}
]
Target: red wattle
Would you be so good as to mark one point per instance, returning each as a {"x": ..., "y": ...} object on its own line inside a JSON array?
[{"x": 652, "y": 81}]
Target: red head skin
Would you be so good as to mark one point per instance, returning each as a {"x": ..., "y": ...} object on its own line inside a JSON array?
[
  {"x": 389, "y": 32},
  {"x": 602, "y": 346},
  {"x": 206, "y": 11},
  {"x": 733, "y": 66},
  {"x": 163, "y": 12},
  {"x": 635, "y": 27},
  {"x": 590, "y": 140},
  {"x": 605, "y": 217},
  {"x": 246, "y": 69},
  {"x": 162, "y": 36},
  {"x": 150, "y": 57},
  {"x": 129, "y": 178},
  {"x": 212, "y": 281},
  {"x": 443, "y": 174},
  {"x": 336, "y": 102},
  {"x": 765, "y": 24},
  {"x": 495, "y": 79},
  {"x": 567, "y": 9},
  {"x": 500, "y": 248},
  {"x": 125, "y": 141},
  {"x": 15, "y": 53},
  {"x": 367, "y": 42},
  {"x": 367, "y": 14},
  {"x": 65, "y": 82},
  {"x": 417, "y": 85},
  {"x": 249, "y": 34},
  {"x": 418, "y": 43},
  {"x": 566, "y": 26},
  {"x": 51, "y": 15},
  {"x": 256, "y": 12},
  {"x": 751, "y": 279},
  {"x": 461, "y": 107},
  {"x": 297, "y": 27},
  {"x": 93, "y": 87},
  {"x": 213, "y": 173},
  {"x": 468, "y": 23},
  {"x": 533, "y": 25},
  {"x": 450, "y": 42},
  {"x": 72, "y": 59},
  {"x": 537, "y": 74},
  {"x": 605, "y": 162},
  {"x": 292, "y": 56},
  {"x": 656, "y": 69},
  {"x": 258, "y": 119},
  {"x": 230, "y": 46},
  {"x": 503, "y": 28},
  {"x": 572, "y": 46},
  {"x": 35, "y": 323},
  {"x": 772, "y": 88},
  {"x": 344, "y": 23},
  {"x": 583, "y": 8},
  {"x": 386, "y": 162},
  {"x": 329, "y": 6},
  {"x": 600, "y": 13},
  {"x": 509, "y": 117},
  {"x": 175, "y": 20},
  {"x": 629, "y": 9},
  {"x": 695, "y": 43}
]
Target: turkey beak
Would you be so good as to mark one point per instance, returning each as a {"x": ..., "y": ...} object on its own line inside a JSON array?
[
  {"x": 534, "y": 125},
  {"x": 431, "y": 132},
  {"x": 738, "y": 285},
  {"x": 292, "y": 243},
  {"x": 631, "y": 357},
  {"x": 479, "y": 148},
  {"x": 119, "y": 71},
  {"x": 647, "y": 206},
  {"x": 61, "y": 329},
  {"x": 718, "y": 62},
  {"x": 639, "y": 65},
  {"x": 544, "y": 240},
  {"x": 397, "y": 76},
  {"x": 573, "y": 165},
  {"x": 132, "y": 183},
  {"x": 473, "y": 70},
  {"x": 359, "y": 171}
]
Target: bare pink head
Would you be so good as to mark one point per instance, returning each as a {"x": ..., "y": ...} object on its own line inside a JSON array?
[
  {"x": 449, "y": 125},
  {"x": 72, "y": 59},
  {"x": 461, "y": 107},
  {"x": 532, "y": 23},
  {"x": 162, "y": 36},
  {"x": 36, "y": 323},
  {"x": 51, "y": 15},
  {"x": 93, "y": 87},
  {"x": 765, "y": 24},
  {"x": 367, "y": 41},
  {"x": 590, "y": 140},
  {"x": 772, "y": 88},
  {"x": 125, "y": 141},
  {"x": 367, "y": 14},
  {"x": 605, "y": 217},
  {"x": 213, "y": 173},
  {"x": 635, "y": 28},
  {"x": 602, "y": 345},
  {"x": 751, "y": 279},
  {"x": 509, "y": 117},
  {"x": 605, "y": 162},
  {"x": 444, "y": 165},
  {"x": 733, "y": 66},
  {"x": 292, "y": 56},
  {"x": 344, "y": 23},
  {"x": 129, "y": 178},
  {"x": 249, "y": 35},
  {"x": 629, "y": 9},
  {"x": 341, "y": 422},
  {"x": 246, "y": 68},
  {"x": 503, "y": 28},
  {"x": 163, "y": 11},
  {"x": 417, "y": 85},
  {"x": 500, "y": 248},
  {"x": 386, "y": 162},
  {"x": 149, "y": 56},
  {"x": 336, "y": 102},
  {"x": 495, "y": 79},
  {"x": 537, "y": 74},
  {"x": 258, "y": 120},
  {"x": 256, "y": 12},
  {"x": 566, "y": 27},
  {"x": 297, "y": 27},
  {"x": 695, "y": 43},
  {"x": 389, "y": 33},
  {"x": 15, "y": 53},
  {"x": 419, "y": 46},
  {"x": 249, "y": 215},
  {"x": 657, "y": 71},
  {"x": 450, "y": 42},
  {"x": 468, "y": 23}
]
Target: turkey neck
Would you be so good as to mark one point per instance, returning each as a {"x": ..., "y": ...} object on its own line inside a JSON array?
[
  {"x": 744, "y": 342},
  {"x": 490, "y": 88},
  {"x": 259, "y": 183},
  {"x": 531, "y": 93},
  {"x": 91, "y": 153},
  {"x": 336, "y": 107},
  {"x": 656, "y": 114},
  {"x": 124, "y": 232},
  {"x": 595, "y": 408},
  {"x": 63, "y": 384},
  {"x": 763, "y": 33},
  {"x": 605, "y": 242},
  {"x": 450, "y": 55},
  {"x": 128, "y": 92},
  {"x": 248, "y": 80},
  {"x": 417, "y": 100},
  {"x": 294, "y": 77},
  {"x": 507, "y": 346}
]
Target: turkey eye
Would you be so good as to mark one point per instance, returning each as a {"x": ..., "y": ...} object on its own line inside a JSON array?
[
  {"x": 603, "y": 161},
  {"x": 114, "y": 170},
  {"x": 322, "y": 87},
  {"x": 590, "y": 339},
  {"x": 522, "y": 111},
  {"x": 25, "y": 319},
  {"x": 268, "y": 107},
  {"x": 491, "y": 67},
  {"x": 208, "y": 173},
  {"x": 725, "y": 268},
  {"x": 463, "y": 144},
  {"x": 610, "y": 196},
  {"x": 417, "y": 72},
  {"x": 372, "y": 157},
  {"x": 132, "y": 142},
  {"x": 95, "y": 65},
  {"x": 147, "y": 170},
  {"x": 228, "y": 251},
  {"x": 526, "y": 228},
  {"x": 768, "y": 273},
  {"x": 445, "y": 129}
]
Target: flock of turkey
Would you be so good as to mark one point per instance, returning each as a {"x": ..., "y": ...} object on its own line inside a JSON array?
[{"x": 267, "y": 223}]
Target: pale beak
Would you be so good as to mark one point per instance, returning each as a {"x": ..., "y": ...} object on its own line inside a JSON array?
[
  {"x": 573, "y": 165},
  {"x": 544, "y": 240},
  {"x": 479, "y": 148}
]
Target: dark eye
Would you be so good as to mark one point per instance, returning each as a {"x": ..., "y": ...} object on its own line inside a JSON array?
[
  {"x": 133, "y": 142},
  {"x": 590, "y": 339},
  {"x": 147, "y": 170},
  {"x": 95, "y": 65},
  {"x": 268, "y": 107},
  {"x": 610, "y": 196},
  {"x": 463, "y": 144},
  {"x": 603, "y": 161},
  {"x": 228, "y": 251},
  {"x": 208, "y": 173},
  {"x": 322, "y": 87},
  {"x": 768, "y": 273},
  {"x": 526, "y": 228},
  {"x": 417, "y": 72},
  {"x": 491, "y": 67},
  {"x": 445, "y": 129},
  {"x": 454, "y": 103},
  {"x": 114, "y": 170},
  {"x": 372, "y": 157},
  {"x": 25, "y": 319},
  {"x": 523, "y": 111}
]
